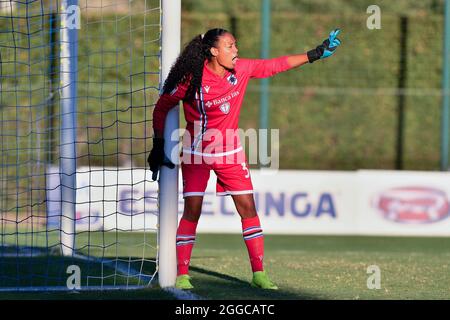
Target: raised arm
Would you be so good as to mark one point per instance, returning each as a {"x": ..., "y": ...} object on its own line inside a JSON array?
[
  {"x": 262, "y": 68},
  {"x": 322, "y": 51},
  {"x": 297, "y": 60},
  {"x": 326, "y": 49}
]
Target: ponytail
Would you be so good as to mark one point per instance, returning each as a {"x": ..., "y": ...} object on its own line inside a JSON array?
[{"x": 188, "y": 68}]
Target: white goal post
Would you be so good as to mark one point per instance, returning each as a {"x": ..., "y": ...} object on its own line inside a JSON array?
[{"x": 168, "y": 184}]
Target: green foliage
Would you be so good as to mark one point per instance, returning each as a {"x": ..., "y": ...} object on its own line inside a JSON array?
[
  {"x": 335, "y": 114},
  {"x": 314, "y": 6},
  {"x": 341, "y": 113}
]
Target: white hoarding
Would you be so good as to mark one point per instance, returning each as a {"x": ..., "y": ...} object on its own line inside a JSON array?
[
  {"x": 403, "y": 203},
  {"x": 288, "y": 202}
]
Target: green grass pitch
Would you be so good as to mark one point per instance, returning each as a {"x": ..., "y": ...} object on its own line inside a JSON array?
[{"x": 304, "y": 267}]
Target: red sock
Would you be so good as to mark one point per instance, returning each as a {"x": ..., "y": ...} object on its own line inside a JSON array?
[
  {"x": 185, "y": 243},
  {"x": 254, "y": 240}
]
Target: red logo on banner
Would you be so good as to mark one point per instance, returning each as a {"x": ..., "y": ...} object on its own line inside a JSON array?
[{"x": 413, "y": 205}]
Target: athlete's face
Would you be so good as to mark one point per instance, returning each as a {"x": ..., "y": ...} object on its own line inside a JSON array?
[{"x": 226, "y": 51}]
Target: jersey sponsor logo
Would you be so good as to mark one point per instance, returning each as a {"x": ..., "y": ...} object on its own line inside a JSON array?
[
  {"x": 232, "y": 79},
  {"x": 225, "y": 99},
  {"x": 207, "y": 88},
  {"x": 244, "y": 167},
  {"x": 208, "y": 104},
  {"x": 413, "y": 205},
  {"x": 225, "y": 107}
]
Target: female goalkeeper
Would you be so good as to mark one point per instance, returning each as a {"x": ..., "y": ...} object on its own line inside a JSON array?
[{"x": 211, "y": 80}]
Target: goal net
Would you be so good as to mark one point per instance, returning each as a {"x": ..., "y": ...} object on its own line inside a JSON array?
[{"x": 78, "y": 82}]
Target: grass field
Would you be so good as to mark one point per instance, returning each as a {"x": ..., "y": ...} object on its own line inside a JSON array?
[{"x": 305, "y": 267}]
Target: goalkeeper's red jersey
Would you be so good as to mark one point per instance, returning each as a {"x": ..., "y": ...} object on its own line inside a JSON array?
[{"x": 212, "y": 117}]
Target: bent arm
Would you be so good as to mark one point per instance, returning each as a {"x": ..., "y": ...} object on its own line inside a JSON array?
[
  {"x": 166, "y": 102},
  {"x": 160, "y": 112}
]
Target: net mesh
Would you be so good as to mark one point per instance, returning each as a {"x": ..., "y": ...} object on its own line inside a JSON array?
[{"x": 117, "y": 86}]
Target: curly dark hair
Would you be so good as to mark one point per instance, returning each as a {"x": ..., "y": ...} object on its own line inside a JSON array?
[{"x": 188, "y": 68}]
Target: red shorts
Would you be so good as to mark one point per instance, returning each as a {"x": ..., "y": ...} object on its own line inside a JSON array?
[{"x": 232, "y": 178}]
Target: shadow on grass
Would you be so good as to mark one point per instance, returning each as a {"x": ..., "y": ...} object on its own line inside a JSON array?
[
  {"x": 208, "y": 284},
  {"x": 214, "y": 285}
]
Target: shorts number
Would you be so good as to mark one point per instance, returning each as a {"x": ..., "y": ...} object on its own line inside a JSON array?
[{"x": 244, "y": 167}]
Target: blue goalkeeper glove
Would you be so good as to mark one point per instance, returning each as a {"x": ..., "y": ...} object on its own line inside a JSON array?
[
  {"x": 326, "y": 49},
  {"x": 157, "y": 158}
]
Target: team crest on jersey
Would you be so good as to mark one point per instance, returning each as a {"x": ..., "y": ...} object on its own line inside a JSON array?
[
  {"x": 225, "y": 107},
  {"x": 232, "y": 79}
]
